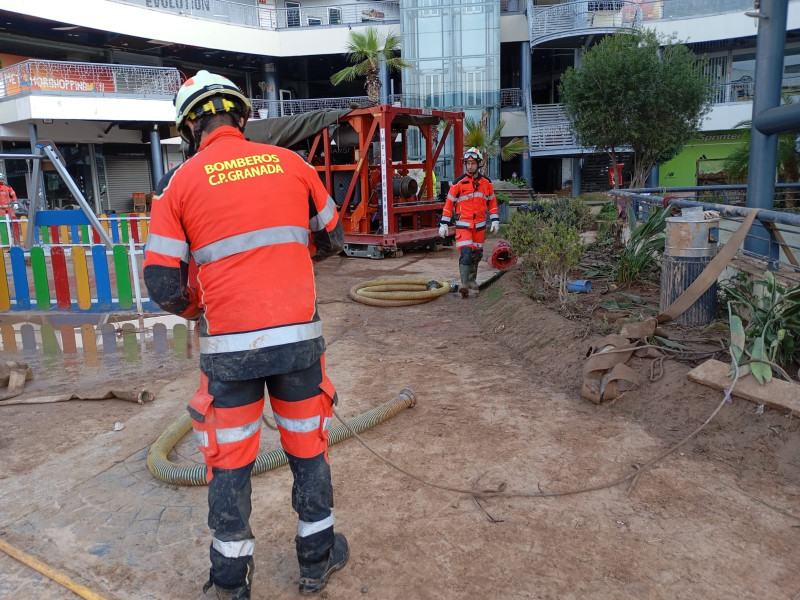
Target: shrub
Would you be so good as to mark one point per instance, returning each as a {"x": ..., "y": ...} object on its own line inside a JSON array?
[
  {"x": 549, "y": 247},
  {"x": 502, "y": 198},
  {"x": 571, "y": 212}
]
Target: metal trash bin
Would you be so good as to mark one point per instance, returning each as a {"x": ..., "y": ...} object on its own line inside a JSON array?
[{"x": 688, "y": 248}]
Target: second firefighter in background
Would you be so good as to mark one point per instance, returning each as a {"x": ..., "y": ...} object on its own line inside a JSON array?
[{"x": 471, "y": 196}]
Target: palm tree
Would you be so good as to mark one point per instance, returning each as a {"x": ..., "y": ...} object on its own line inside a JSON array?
[
  {"x": 476, "y": 134},
  {"x": 366, "y": 49}
]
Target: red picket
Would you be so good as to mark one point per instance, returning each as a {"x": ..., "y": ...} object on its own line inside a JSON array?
[
  {"x": 134, "y": 225},
  {"x": 61, "y": 277},
  {"x": 54, "y": 239}
]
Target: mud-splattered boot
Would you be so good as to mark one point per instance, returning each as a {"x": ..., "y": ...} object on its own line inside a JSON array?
[
  {"x": 473, "y": 277},
  {"x": 314, "y": 579},
  {"x": 464, "y": 270},
  {"x": 213, "y": 592}
]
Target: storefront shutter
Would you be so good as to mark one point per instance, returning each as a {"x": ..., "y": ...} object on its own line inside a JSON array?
[{"x": 126, "y": 176}]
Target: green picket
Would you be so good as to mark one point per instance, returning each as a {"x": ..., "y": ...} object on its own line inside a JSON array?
[
  {"x": 84, "y": 229},
  {"x": 122, "y": 271},
  {"x": 40, "y": 283},
  {"x": 4, "y": 230},
  {"x": 130, "y": 348},
  {"x": 45, "y": 232},
  {"x": 180, "y": 334},
  {"x": 123, "y": 227}
]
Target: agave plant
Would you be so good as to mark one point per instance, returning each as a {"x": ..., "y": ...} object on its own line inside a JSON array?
[
  {"x": 642, "y": 251},
  {"x": 770, "y": 340}
]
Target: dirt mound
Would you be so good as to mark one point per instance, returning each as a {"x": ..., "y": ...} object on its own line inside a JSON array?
[
  {"x": 551, "y": 346},
  {"x": 552, "y": 349}
]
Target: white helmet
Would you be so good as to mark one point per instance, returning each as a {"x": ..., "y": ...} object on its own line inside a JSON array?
[
  {"x": 206, "y": 93},
  {"x": 2, "y": 177}
]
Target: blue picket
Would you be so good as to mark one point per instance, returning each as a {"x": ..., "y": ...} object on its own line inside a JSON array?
[
  {"x": 101, "y": 277},
  {"x": 20, "y": 273}
]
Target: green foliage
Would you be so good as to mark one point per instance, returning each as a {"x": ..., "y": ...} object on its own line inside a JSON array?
[
  {"x": 366, "y": 48},
  {"x": 549, "y": 247},
  {"x": 518, "y": 181},
  {"x": 571, "y": 212},
  {"x": 635, "y": 90},
  {"x": 764, "y": 328},
  {"x": 477, "y": 135},
  {"x": 502, "y": 198},
  {"x": 788, "y": 159},
  {"x": 608, "y": 212},
  {"x": 640, "y": 255}
]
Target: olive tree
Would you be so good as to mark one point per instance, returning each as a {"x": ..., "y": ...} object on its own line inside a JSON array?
[{"x": 637, "y": 92}]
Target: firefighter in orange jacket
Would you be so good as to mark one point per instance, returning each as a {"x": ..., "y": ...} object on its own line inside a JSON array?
[
  {"x": 470, "y": 196},
  {"x": 246, "y": 273},
  {"x": 7, "y": 198}
]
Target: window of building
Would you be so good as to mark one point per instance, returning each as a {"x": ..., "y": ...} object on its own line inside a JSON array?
[
  {"x": 293, "y": 14},
  {"x": 314, "y": 21},
  {"x": 432, "y": 90},
  {"x": 334, "y": 15},
  {"x": 433, "y": 11},
  {"x": 473, "y": 88}
]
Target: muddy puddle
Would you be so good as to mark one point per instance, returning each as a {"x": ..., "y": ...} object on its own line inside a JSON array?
[{"x": 71, "y": 350}]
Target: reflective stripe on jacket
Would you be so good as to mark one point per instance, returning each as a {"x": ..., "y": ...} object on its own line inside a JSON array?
[
  {"x": 469, "y": 198},
  {"x": 247, "y": 218}
]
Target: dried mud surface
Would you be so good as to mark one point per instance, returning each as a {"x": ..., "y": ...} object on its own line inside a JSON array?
[{"x": 496, "y": 380}]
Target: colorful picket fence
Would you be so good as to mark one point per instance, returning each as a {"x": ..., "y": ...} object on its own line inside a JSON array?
[
  {"x": 73, "y": 279},
  {"x": 71, "y": 227},
  {"x": 98, "y": 344}
]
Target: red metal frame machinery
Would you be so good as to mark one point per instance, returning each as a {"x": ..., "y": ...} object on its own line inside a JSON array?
[{"x": 380, "y": 220}]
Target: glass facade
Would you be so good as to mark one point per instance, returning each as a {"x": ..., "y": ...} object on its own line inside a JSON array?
[{"x": 454, "y": 50}]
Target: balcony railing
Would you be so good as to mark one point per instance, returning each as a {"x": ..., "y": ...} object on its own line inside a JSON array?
[
  {"x": 282, "y": 108},
  {"x": 561, "y": 20},
  {"x": 81, "y": 79},
  {"x": 550, "y": 22},
  {"x": 510, "y": 98},
  {"x": 264, "y": 17}
]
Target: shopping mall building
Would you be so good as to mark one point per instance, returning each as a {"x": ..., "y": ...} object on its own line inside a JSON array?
[{"x": 97, "y": 77}]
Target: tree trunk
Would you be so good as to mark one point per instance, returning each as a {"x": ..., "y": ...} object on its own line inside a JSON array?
[{"x": 373, "y": 85}]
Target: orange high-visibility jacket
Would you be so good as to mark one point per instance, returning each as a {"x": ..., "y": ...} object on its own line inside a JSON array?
[
  {"x": 7, "y": 197},
  {"x": 469, "y": 198},
  {"x": 249, "y": 218}
]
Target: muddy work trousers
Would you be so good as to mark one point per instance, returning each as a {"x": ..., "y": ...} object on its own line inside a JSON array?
[
  {"x": 469, "y": 242},
  {"x": 228, "y": 435}
]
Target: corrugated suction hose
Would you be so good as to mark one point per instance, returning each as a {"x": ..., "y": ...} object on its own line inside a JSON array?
[
  {"x": 163, "y": 469},
  {"x": 398, "y": 292}
]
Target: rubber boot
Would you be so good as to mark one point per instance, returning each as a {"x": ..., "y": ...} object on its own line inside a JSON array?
[
  {"x": 464, "y": 272},
  {"x": 313, "y": 580},
  {"x": 473, "y": 276},
  {"x": 213, "y": 592}
]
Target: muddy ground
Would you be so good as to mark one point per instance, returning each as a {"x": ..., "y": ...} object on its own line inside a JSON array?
[{"x": 496, "y": 380}]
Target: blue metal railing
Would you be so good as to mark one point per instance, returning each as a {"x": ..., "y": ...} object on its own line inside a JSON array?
[{"x": 779, "y": 229}]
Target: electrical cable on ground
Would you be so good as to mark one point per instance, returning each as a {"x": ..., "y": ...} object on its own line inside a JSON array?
[
  {"x": 57, "y": 576},
  {"x": 501, "y": 492},
  {"x": 398, "y": 291}
]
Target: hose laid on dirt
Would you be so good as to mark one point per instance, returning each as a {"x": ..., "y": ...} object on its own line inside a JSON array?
[
  {"x": 48, "y": 571},
  {"x": 164, "y": 470},
  {"x": 398, "y": 292}
]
